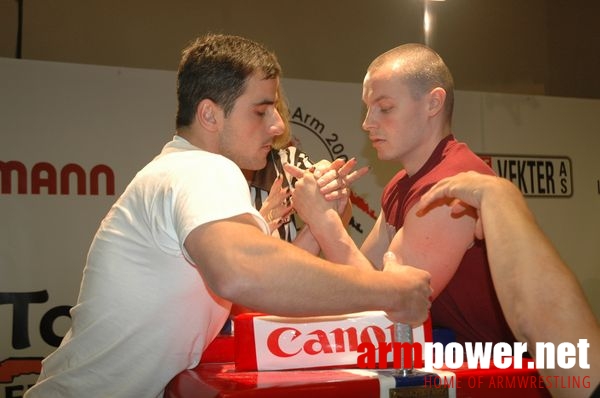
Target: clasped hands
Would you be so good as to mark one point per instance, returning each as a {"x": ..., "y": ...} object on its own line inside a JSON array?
[{"x": 324, "y": 187}]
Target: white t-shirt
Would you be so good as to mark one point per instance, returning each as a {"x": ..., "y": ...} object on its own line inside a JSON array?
[{"x": 144, "y": 313}]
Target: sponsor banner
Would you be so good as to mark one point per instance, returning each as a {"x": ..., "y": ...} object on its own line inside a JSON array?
[
  {"x": 536, "y": 176},
  {"x": 265, "y": 342}
]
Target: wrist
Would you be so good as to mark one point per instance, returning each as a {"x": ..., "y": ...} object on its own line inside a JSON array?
[{"x": 325, "y": 224}]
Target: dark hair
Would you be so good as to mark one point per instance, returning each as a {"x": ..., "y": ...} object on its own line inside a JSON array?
[{"x": 216, "y": 67}]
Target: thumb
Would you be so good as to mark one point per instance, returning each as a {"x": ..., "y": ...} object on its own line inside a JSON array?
[
  {"x": 277, "y": 184},
  {"x": 479, "y": 233},
  {"x": 293, "y": 170},
  {"x": 388, "y": 258}
]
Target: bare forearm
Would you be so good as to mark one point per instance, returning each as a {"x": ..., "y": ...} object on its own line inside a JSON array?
[
  {"x": 305, "y": 240},
  {"x": 540, "y": 296},
  {"x": 302, "y": 285},
  {"x": 335, "y": 242},
  {"x": 521, "y": 254},
  {"x": 272, "y": 276}
]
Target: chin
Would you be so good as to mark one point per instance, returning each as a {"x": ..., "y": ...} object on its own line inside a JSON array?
[
  {"x": 381, "y": 155},
  {"x": 258, "y": 165}
]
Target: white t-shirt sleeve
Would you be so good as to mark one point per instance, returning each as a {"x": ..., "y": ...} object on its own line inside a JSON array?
[{"x": 216, "y": 193}]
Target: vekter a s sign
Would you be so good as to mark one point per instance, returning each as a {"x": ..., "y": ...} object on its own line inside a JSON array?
[{"x": 536, "y": 176}]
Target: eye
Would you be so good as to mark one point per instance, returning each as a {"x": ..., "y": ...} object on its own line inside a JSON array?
[
  {"x": 261, "y": 110},
  {"x": 386, "y": 106}
]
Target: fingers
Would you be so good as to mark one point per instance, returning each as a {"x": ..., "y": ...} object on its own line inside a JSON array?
[
  {"x": 325, "y": 166},
  {"x": 278, "y": 216},
  {"x": 436, "y": 195},
  {"x": 277, "y": 208},
  {"x": 340, "y": 179},
  {"x": 347, "y": 167},
  {"x": 337, "y": 170},
  {"x": 326, "y": 172},
  {"x": 340, "y": 194},
  {"x": 458, "y": 207},
  {"x": 278, "y": 194},
  {"x": 333, "y": 178},
  {"x": 277, "y": 184},
  {"x": 293, "y": 170},
  {"x": 479, "y": 234},
  {"x": 277, "y": 205},
  {"x": 389, "y": 257},
  {"x": 468, "y": 186},
  {"x": 355, "y": 175},
  {"x": 308, "y": 202}
]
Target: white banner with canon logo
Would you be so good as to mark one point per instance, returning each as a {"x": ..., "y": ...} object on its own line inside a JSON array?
[{"x": 265, "y": 342}]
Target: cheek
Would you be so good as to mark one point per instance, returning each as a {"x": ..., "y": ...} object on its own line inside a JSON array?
[
  {"x": 408, "y": 121},
  {"x": 393, "y": 124},
  {"x": 241, "y": 132},
  {"x": 251, "y": 129}
]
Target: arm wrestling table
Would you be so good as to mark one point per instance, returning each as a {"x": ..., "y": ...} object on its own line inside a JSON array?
[{"x": 218, "y": 376}]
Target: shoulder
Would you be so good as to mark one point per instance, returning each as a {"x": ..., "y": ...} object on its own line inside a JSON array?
[
  {"x": 191, "y": 171},
  {"x": 196, "y": 162},
  {"x": 458, "y": 157}
]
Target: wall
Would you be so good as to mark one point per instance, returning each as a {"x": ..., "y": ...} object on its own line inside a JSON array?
[{"x": 508, "y": 46}]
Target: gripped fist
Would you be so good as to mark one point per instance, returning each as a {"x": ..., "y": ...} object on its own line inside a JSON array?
[
  {"x": 333, "y": 179},
  {"x": 308, "y": 201},
  {"x": 414, "y": 291}
]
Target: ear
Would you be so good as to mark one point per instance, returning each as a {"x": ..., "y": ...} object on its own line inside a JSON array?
[
  {"x": 437, "y": 99},
  {"x": 209, "y": 115}
]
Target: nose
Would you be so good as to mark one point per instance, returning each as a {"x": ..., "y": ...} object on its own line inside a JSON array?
[
  {"x": 367, "y": 123},
  {"x": 278, "y": 125}
]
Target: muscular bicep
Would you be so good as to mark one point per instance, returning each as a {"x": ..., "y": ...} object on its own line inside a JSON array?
[
  {"x": 221, "y": 249},
  {"x": 435, "y": 242}
]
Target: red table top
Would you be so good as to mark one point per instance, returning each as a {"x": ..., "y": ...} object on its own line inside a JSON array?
[{"x": 222, "y": 380}]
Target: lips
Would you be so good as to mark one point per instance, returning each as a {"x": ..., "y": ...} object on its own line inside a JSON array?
[{"x": 375, "y": 140}]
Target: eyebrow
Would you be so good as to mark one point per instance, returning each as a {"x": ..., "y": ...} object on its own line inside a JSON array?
[
  {"x": 382, "y": 97},
  {"x": 265, "y": 102}
]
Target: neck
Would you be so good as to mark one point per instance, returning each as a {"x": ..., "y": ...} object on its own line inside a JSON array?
[
  {"x": 197, "y": 139},
  {"x": 419, "y": 156}
]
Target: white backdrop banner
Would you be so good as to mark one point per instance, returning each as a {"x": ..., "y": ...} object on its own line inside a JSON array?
[{"x": 72, "y": 136}]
